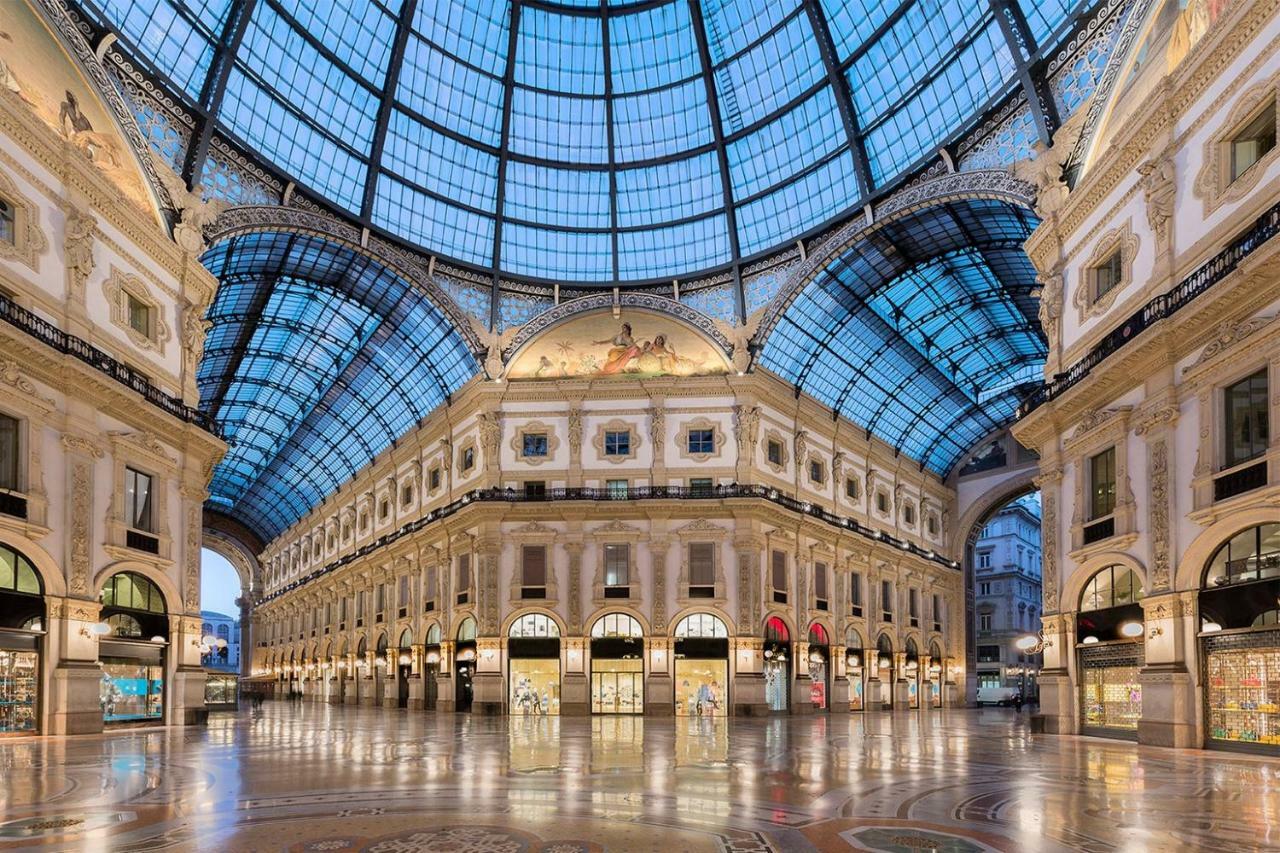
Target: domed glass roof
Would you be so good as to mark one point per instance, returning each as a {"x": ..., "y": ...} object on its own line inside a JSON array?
[{"x": 585, "y": 140}]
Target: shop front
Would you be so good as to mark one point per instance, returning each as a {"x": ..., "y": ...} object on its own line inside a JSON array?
[
  {"x": 885, "y": 674},
  {"x": 1109, "y": 653},
  {"x": 1240, "y": 642},
  {"x": 854, "y": 669},
  {"x": 131, "y": 650},
  {"x": 382, "y": 668},
  {"x": 22, "y": 614},
  {"x": 777, "y": 665},
  {"x": 617, "y": 665},
  {"x": 819, "y": 667},
  {"x": 404, "y": 668},
  {"x": 911, "y": 672},
  {"x": 533, "y": 666},
  {"x": 701, "y": 666},
  {"x": 431, "y": 669},
  {"x": 936, "y": 676},
  {"x": 221, "y": 691},
  {"x": 464, "y": 665}
]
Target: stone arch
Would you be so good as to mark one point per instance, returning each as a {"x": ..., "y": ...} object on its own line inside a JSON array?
[
  {"x": 987, "y": 505},
  {"x": 239, "y": 556},
  {"x": 51, "y": 577},
  {"x": 826, "y": 624},
  {"x": 249, "y": 219},
  {"x": 600, "y": 612},
  {"x": 717, "y": 612},
  {"x": 167, "y": 587},
  {"x": 774, "y": 612},
  {"x": 1073, "y": 587},
  {"x": 978, "y": 184},
  {"x": 1191, "y": 566},
  {"x": 510, "y": 620}
]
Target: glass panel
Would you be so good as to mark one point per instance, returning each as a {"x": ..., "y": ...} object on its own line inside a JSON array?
[
  {"x": 777, "y": 682},
  {"x": 1111, "y": 697},
  {"x": 19, "y": 691},
  {"x": 1102, "y": 483},
  {"x": 617, "y": 686},
  {"x": 9, "y": 465},
  {"x": 1244, "y": 694},
  {"x": 701, "y": 688},
  {"x": 617, "y": 565},
  {"x": 138, "y": 499},
  {"x": 131, "y": 691},
  {"x": 1246, "y": 422},
  {"x": 1254, "y": 142},
  {"x": 535, "y": 687},
  {"x": 8, "y": 569},
  {"x": 28, "y": 581}
]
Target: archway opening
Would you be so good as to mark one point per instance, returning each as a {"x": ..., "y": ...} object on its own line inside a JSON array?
[{"x": 1005, "y": 602}]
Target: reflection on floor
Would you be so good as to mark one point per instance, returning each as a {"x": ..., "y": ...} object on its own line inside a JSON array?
[{"x": 311, "y": 778}]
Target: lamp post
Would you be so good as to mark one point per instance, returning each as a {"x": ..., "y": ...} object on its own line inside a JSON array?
[{"x": 1032, "y": 644}]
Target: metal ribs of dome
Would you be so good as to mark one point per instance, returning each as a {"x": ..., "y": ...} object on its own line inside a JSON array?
[{"x": 593, "y": 142}]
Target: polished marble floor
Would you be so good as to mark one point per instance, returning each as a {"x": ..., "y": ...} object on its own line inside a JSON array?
[{"x": 294, "y": 777}]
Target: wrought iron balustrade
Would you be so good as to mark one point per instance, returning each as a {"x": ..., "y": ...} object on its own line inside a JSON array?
[
  {"x": 50, "y": 335},
  {"x": 1159, "y": 308},
  {"x": 615, "y": 493}
]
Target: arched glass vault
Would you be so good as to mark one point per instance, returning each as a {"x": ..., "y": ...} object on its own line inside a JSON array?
[
  {"x": 925, "y": 332},
  {"x": 317, "y": 359},
  {"x": 593, "y": 141}
]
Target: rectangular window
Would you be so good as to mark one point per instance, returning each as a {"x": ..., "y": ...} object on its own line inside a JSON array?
[
  {"x": 139, "y": 315},
  {"x": 988, "y": 654},
  {"x": 535, "y": 489},
  {"x": 1107, "y": 275},
  {"x": 815, "y": 471},
  {"x": 8, "y": 223},
  {"x": 984, "y": 559},
  {"x": 342, "y": 612},
  {"x": 617, "y": 443},
  {"x": 137, "y": 498},
  {"x": 855, "y": 594},
  {"x": 616, "y": 489},
  {"x": 702, "y": 570},
  {"x": 936, "y": 610},
  {"x": 778, "y": 576},
  {"x": 1245, "y": 419},
  {"x": 434, "y": 478},
  {"x": 617, "y": 566},
  {"x": 1254, "y": 142},
  {"x": 429, "y": 590},
  {"x": 773, "y": 450},
  {"x": 820, "y": 585},
  {"x": 913, "y": 607},
  {"x": 702, "y": 441},
  {"x": 886, "y": 601},
  {"x": 9, "y": 459},
  {"x": 404, "y": 596},
  {"x": 700, "y": 486},
  {"x": 535, "y": 444},
  {"x": 984, "y": 621},
  {"x": 380, "y": 602},
  {"x": 468, "y": 458},
  {"x": 360, "y": 605},
  {"x": 882, "y": 502},
  {"x": 851, "y": 488},
  {"x": 464, "y": 578},
  {"x": 984, "y": 588},
  {"x": 533, "y": 571},
  {"x": 1102, "y": 484}
]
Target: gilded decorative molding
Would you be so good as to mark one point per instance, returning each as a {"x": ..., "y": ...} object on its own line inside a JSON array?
[
  {"x": 1147, "y": 421},
  {"x": 80, "y": 513},
  {"x": 531, "y": 428},
  {"x": 1158, "y": 475}
]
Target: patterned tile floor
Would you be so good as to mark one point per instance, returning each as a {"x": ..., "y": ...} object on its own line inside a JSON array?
[{"x": 312, "y": 778}]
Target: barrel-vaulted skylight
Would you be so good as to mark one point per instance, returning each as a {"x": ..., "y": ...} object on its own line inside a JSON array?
[{"x": 589, "y": 141}]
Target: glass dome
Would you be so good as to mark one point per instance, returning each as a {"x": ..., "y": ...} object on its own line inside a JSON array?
[{"x": 589, "y": 141}]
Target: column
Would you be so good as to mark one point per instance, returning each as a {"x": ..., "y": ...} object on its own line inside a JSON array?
[
  {"x": 659, "y": 688},
  {"x": 801, "y": 684},
  {"x": 70, "y": 698},
  {"x": 574, "y": 683},
  {"x": 748, "y": 679},
  {"x": 185, "y": 691},
  {"x": 873, "y": 695},
  {"x": 417, "y": 676},
  {"x": 1168, "y": 688},
  {"x": 1057, "y": 689},
  {"x": 901, "y": 697},
  {"x": 446, "y": 689},
  {"x": 488, "y": 683}
]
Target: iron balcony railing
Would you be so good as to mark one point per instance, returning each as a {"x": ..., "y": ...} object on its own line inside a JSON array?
[
  {"x": 50, "y": 335},
  {"x": 1159, "y": 308},
  {"x": 615, "y": 494}
]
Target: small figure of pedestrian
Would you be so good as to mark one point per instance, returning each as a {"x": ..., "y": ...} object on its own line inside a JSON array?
[{"x": 1017, "y": 702}]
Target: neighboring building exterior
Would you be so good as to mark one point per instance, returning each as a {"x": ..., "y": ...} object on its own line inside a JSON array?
[
  {"x": 1158, "y": 440},
  {"x": 1007, "y": 599},
  {"x": 224, "y": 628}
]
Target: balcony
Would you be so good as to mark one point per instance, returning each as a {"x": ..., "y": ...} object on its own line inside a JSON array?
[{"x": 1240, "y": 480}]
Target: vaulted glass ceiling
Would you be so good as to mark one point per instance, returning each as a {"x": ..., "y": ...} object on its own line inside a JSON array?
[
  {"x": 585, "y": 140},
  {"x": 925, "y": 332},
  {"x": 317, "y": 359}
]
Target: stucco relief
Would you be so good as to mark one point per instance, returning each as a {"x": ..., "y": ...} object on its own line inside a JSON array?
[{"x": 29, "y": 240}]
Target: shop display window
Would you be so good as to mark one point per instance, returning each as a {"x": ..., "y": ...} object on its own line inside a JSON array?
[
  {"x": 935, "y": 694},
  {"x": 220, "y": 690},
  {"x": 777, "y": 680},
  {"x": 818, "y": 683},
  {"x": 19, "y": 686},
  {"x": 535, "y": 686},
  {"x": 856, "y": 690},
  {"x": 913, "y": 693},
  {"x": 131, "y": 691},
  {"x": 1111, "y": 697},
  {"x": 702, "y": 688},
  {"x": 617, "y": 686},
  {"x": 1243, "y": 692}
]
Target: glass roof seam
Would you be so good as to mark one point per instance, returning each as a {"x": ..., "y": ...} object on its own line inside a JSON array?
[
  {"x": 504, "y": 147},
  {"x": 392, "y": 80},
  {"x": 839, "y": 84},
  {"x": 1023, "y": 48},
  {"x": 215, "y": 87},
  {"x": 607, "y": 60}
]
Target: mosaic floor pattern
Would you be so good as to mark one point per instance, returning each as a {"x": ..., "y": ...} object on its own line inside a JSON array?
[{"x": 319, "y": 778}]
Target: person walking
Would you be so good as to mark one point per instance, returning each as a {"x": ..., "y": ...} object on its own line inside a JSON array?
[{"x": 1017, "y": 702}]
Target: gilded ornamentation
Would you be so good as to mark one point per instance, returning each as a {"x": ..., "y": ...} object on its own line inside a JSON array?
[
  {"x": 80, "y": 512},
  {"x": 78, "y": 444},
  {"x": 801, "y": 445},
  {"x": 194, "y": 331},
  {"x": 1092, "y": 420},
  {"x": 494, "y": 341},
  {"x": 1148, "y": 421},
  {"x": 1159, "y": 475},
  {"x": 658, "y": 558},
  {"x": 575, "y": 582},
  {"x": 1049, "y": 292},
  {"x": 740, "y": 338}
]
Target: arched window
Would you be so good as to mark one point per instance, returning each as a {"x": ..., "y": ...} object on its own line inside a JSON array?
[
  {"x": 702, "y": 625},
  {"x": 206, "y": 629},
  {"x": 381, "y": 647},
  {"x": 406, "y": 639},
  {"x": 363, "y": 648},
  {"x": 467, "y": 630},
  {"x": 935, "y": 652},
  {"x": 534, "y": 625},
  {"x": 617, "y": 625},
  {"x": 17, "y": 574},
  {"x": 224, "y": 632},
  {"x": 1269, "y": 617},
  {"x": 913, "y": 652},
  {"x": 1250, "y": 555},
  {"x": 1113, "y": 586},
  {"x": 132, "y": 591},
  {"x": 433, "y": 635},
  {"x": 775, "y": 631},
  {"x": 853, "y": 639},
  {"x": 884, "y": 650},
  {"x": 818, "y": 635}
]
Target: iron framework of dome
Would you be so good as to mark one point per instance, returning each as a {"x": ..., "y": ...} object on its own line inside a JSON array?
[{"x": 592, "y": 142}]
